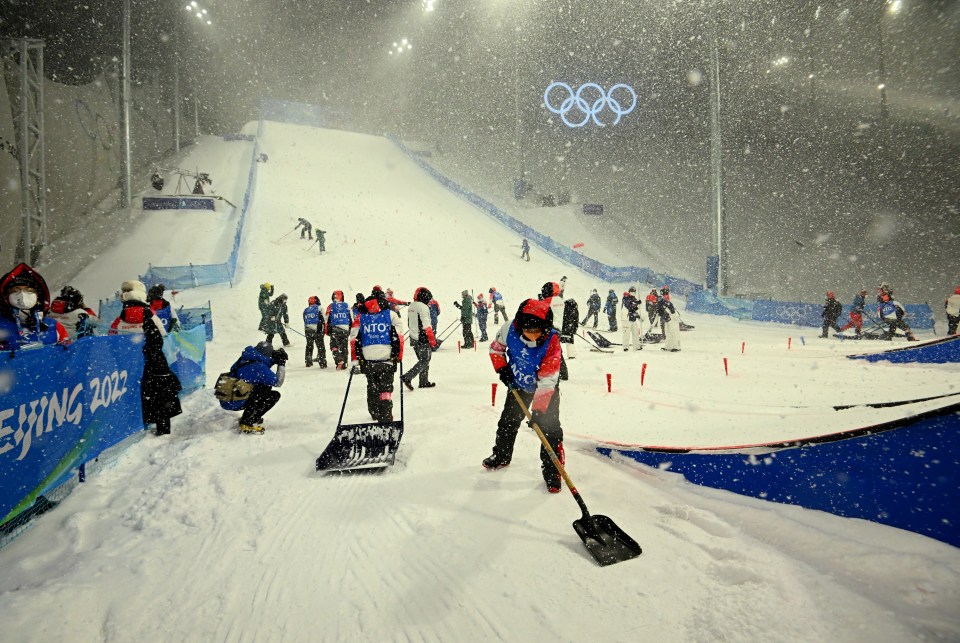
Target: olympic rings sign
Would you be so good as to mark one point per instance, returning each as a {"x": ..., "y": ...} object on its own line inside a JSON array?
[{"x": 590, "y": 110}]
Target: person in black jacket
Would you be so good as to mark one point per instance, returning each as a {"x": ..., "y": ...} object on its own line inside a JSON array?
[
  {"x": 277, "y": 319},
  {"x": 593, "y": 308},
  {"x": 611, "y": 309},
  {"x": 831, "y": 311},
  {"x": 568, "y": 331}
]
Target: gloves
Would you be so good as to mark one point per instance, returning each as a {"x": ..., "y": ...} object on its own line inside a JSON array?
[
  {"x": 280, "y": 357},
  {"x": 506, "y": 376},
  {"x": 457, "y": 304},
  {"x": 437, "y": 345},
  {"x": 536, "y": 418}
]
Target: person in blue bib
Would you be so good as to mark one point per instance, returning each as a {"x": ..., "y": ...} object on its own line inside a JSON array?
[
  {"x": 313, "y": 331},
  {"x": 338, "y": 319},
  {"x": 376, "y": 345},
  {"x": 526, "y": 356}
]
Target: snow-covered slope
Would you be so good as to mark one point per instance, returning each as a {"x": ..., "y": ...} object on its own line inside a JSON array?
[{"x": 211, "y": 535}]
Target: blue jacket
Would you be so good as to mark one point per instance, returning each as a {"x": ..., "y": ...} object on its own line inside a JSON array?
[
  {"x": 611, "y": 306},
  {"x": 254, "y": 367}
]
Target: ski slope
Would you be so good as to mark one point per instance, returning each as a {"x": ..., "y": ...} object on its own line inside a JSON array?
[{"x": 211, "y": 535}]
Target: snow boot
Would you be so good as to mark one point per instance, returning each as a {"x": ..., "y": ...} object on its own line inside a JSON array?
[
  {"x": 251, "y": 428},
  {"x": 494, "y": 462},
  {"x": 309, "y": 363},
  {"x": 428, "y": 385},
  {"x": 406, "y": 382}
]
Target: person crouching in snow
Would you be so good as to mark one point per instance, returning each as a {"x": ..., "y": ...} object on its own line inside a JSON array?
[
  {"x": 376, "y": 345},
  {"x": 254, "y": 368},
  {"x": 526, "y": 355},
  {"x": 22, "y": 324}
]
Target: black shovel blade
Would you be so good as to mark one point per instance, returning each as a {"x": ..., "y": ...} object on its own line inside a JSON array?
[{"x": 605, "y": 541}]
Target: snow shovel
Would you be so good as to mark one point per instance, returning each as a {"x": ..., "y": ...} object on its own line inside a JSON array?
[
  {"x": 369, "y": 445},
  {"x": 605, "y": 541}
]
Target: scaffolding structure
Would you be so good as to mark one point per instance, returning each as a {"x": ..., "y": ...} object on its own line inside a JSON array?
[{"x": 25, "y": 55}]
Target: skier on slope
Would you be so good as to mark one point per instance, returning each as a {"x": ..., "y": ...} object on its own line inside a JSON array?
[
  {"x": 307, "y": 228},
  {"x": 526, "y": 356}
]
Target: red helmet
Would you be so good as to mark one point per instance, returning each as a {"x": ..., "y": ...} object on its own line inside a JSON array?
[{"x": 313, "y": 300}]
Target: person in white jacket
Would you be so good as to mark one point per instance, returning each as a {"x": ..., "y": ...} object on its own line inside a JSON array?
[
  {"x": 630, "y": 320},
  {"x": 671, "y": 323}
]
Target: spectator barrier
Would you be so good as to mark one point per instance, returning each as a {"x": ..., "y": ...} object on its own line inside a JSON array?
[
  {"x": 189, "y": 317},
  {"x": 919, "y": 316},
  {"x": 905, "y": 475},
  {"x": 82, "y": 399}
]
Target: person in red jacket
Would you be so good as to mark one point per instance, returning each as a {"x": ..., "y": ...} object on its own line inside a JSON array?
[
  {"x": 526, "y": 356},
  {"x": 394, "y": 302},
  {"x": 25, "y": 298}
]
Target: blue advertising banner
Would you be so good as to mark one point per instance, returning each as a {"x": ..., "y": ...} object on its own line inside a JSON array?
[{"x": 60, "y": 407}]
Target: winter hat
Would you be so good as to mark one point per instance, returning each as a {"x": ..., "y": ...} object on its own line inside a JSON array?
[
  {"x": 492, "y": 290},
  {"x": 549, "y": 289},
  {"x": 72, "y": 296},
  {"x": 829, "y": 294},
  {"x": 266, "y": 286},
  {"x": 423, "y": 295},
  {"x": 480, "y": 296},
  {"x": 337, "y": 295},
  {"x": 313, "y": 300},
  {"x": 24, "y": 279},
  {"x": 265, "y": 348},
  {"x": 632, "y": 289},
  {"x": 534, "y": 313},
  {"x": 465, "y": 294},
  {"x": 957, "y": 291},
  {"x": 155, "y": 292},
  {"x": 594, "y": 291},
  {"x": 133, "y": 291}
]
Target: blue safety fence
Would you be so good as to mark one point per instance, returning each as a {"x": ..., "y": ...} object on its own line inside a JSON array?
[
  {"x": 194, "y": 275},
  {"x": 588, "y": 265},
  {"x": 919, "y": 316},
  {"x": 190, "y": 318},
  {"x": 906, "y": 476},
  {"x": 82, "y": 399}
]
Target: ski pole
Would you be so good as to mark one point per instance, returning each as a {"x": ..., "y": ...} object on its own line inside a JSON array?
[
  {"x": 443, "y": 332},
  {"x": 456, "y": 325},
  {"x": 294, "y": 330},
  {"x": 284, "y": 236}
]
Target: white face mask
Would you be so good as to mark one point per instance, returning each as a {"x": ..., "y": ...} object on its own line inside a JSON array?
[{"x": 23, "y": 300}]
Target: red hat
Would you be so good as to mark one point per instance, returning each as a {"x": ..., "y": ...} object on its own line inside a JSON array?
[
  {"x": 957, "y": 291},
  {"x": 534, "y": 313},
  {"x": 829, "y": 294}
]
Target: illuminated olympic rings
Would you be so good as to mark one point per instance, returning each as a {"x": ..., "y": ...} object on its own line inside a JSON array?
[{"x": 575, "y": 100}]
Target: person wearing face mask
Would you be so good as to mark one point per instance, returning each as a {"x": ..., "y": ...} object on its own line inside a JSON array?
[{"x": 25, "y": 298}]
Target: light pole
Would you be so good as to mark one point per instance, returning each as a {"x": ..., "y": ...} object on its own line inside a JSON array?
[
  {"x": 127, "y": 192},
  {"x": 203, "y": 16}
]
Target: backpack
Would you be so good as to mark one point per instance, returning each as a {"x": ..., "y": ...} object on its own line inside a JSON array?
[{"x": 230, "y": 389}]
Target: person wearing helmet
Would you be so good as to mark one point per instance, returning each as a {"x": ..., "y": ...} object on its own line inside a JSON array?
[
  {"x": 338, "y": 320},
  {"x": 22, "y": 323},
  {"x": 162, "y": 308},
  {"x": 483, "y": 309},
  {"x": 499, "y": 306},
  {"x": 892, "y": 313},
  {"x": 394, "y": 302},
  {"x": 526, "y": 356},
  {"x": 856, "y": 313},
  {"x": 466, "y": 319},
  {"x": 630, "y": 320},
  {"x": 253, "y": 369},
  {"x": 593, "y": 308},
  {"x": 831, "y": 311},
  {"x": 610, "y": 308},
  {"x": 952, "y": 307},
  {"x": 68, "y": 309},
  {"x": 313, "y": 331},
  {"x": 422, "y": 340},
  {"x": 376, "y": 345}
]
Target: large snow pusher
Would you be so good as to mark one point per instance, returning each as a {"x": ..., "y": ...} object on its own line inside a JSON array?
[{"x": 369, "y": 445}]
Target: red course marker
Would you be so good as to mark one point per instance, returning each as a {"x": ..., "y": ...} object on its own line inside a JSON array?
[
  {"x": 743, "y": 347},
  {"x": 609, "y": 380},
  {"x": 643, "y": 373},
  {"x": 726, "y": 371},
  {"x": 493, "y": 396},
  {"x": 789, "y": 342}
]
